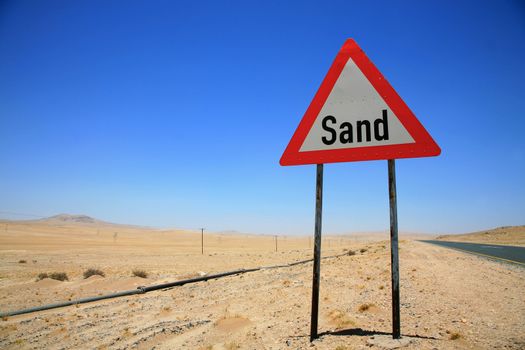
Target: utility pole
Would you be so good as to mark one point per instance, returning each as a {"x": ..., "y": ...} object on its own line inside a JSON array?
[
  {"x": 202, "y": 241},
  {"x": 275, "y": 243}
]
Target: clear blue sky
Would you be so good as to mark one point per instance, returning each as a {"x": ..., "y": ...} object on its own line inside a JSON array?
[{"x": 175, "y": 113}]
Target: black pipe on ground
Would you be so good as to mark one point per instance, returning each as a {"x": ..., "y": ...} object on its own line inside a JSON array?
[
  {"x": 142, "y": 290},
  {"x": 139, "y": 290}
]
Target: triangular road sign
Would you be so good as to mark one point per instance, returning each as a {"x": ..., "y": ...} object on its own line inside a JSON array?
[{"x": 356, "y": 115}]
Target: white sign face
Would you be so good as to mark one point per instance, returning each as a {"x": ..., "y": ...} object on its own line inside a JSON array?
[{"x": 354, "y": 115}]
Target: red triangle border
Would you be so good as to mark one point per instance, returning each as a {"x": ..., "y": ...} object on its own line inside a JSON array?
[{"x": 423, "y": 146}]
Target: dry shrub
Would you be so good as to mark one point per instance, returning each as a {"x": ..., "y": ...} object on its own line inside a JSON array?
[
  {"x": 41, "y": 276},
  {"x": 126, "y": 333},
  {"x": 341, "y": 319},
  {"x": 363, "y": 250},
  {"x": 455, "y": 336},
  {"x": 22, "y": 261},
  {"x": 232, "y": 346},
  {"x": 93, "y": 272},
  {"x": 59, "y": 276},
  {"x": 140, "y": 273},
  {"x": 365, "y": 307}
]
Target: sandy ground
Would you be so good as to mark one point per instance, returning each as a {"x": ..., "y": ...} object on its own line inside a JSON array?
[{"x": 449, "y": 300}]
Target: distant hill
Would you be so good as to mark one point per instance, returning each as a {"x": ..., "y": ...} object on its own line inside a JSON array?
[
  {"x": 71, "y": 219},
  {"x": 510, "y": 235}
]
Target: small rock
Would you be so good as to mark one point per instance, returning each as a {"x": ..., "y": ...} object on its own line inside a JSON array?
[{"x": 386, "y": 342}]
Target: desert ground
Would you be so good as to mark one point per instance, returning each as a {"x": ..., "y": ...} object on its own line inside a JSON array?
[{"x": 449, "y": 299}]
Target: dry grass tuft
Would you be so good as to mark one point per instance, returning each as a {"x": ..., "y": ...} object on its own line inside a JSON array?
[
  {"x": 454, "y": 336},
  {"x": 126, "y": 333},
  {"x": 140, "y": 273},
  {"x": 59, "y": 276},
  {"x": 93, "y": 272},
  {"x": 341, "y": 319},
  {"x": 232, "y": 346},
  {"x": 365, "y": 307}
]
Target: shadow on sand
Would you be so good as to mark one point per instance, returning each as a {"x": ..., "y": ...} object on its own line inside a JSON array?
[{"x": 365, "y": 333}]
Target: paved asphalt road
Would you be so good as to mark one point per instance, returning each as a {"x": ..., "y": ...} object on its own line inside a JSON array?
[{"x": 499, "y": 252}]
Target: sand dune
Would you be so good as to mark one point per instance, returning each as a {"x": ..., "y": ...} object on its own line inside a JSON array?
[{"x": 509, "y": 235}]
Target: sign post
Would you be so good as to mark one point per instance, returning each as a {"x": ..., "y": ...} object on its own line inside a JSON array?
[
  {"x": 394, "y": 254},
  {"x": 356, "y": 115},
  {"x": 317, "y": 251}
]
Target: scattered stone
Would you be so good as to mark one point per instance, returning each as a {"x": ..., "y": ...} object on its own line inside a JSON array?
[{"x": 386, "y": 342}]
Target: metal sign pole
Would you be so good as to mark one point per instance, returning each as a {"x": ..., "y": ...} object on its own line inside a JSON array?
[
  {"x": 317, "y": 251},
  {"x": 394, "y": 257}
]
